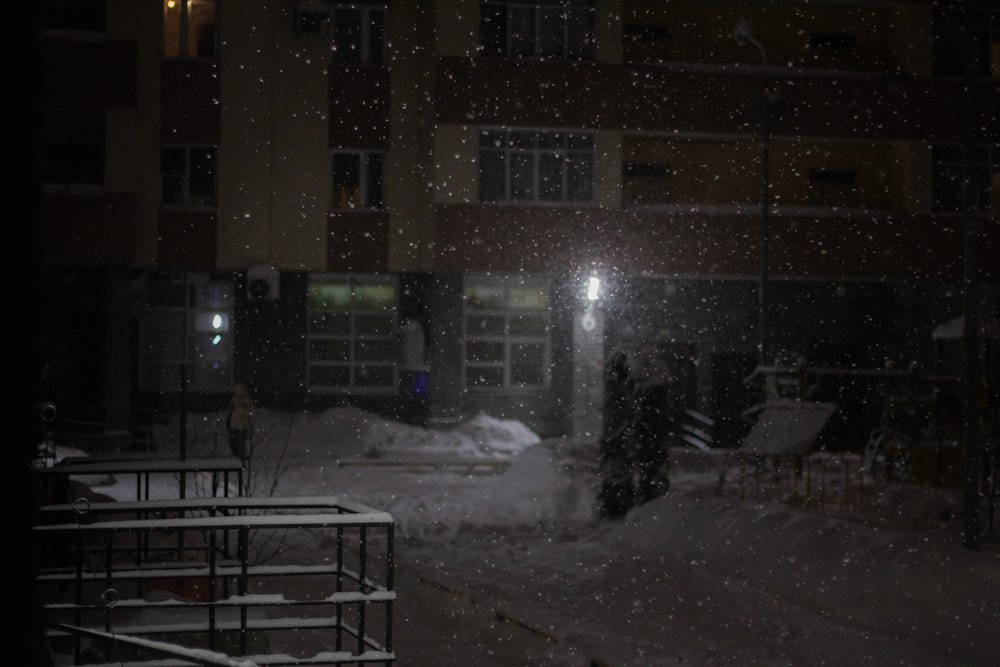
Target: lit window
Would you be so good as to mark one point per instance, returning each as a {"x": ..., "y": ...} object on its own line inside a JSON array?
[
  {"x": 541, "y": 29},
  {"x": 506, "y": 334},
  {"x": 187, "y": 175},
  {"x": 189, "y": 28},
  {"x": 185, "y": 332},
  {"x": 352, "y": 334},
  {"x": 535, "y": 166}
]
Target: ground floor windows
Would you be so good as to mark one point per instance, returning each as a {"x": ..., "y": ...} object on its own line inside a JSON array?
[
  {"x": 506, "y": 334},
  {"x": 186, "y": 333},
  {"x": 352, "y": 330}
]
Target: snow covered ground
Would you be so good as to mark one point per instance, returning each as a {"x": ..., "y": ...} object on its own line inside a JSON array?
[{"x": 505, "y": 563}]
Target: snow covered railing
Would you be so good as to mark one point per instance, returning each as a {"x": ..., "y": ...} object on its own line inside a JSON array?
[
  {"x": 144, "y": 467},
  {"x": 112, "y": 579}
]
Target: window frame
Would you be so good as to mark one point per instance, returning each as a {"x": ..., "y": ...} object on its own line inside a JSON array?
[
  {"x": 365, "y": 198},
  {"x": 985, "y": 167},
  {"x": 499, "y": 38},
  {"x": 372, "y": 47},
  {"x": 186, "y": 177},
  {"x": 354, "y": 339},
  {"x": 507, "y": 340},
  {"x": 515, "y": 157},
  {"x": 181, "y": 24},
  {"x": 948, "y": 41},
  {"x": 187, "y": 325}
]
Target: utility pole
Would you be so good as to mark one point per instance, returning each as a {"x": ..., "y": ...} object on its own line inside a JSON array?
[
  {"x": 743, "y": 34},
  {"x": 970, "y": 338}
]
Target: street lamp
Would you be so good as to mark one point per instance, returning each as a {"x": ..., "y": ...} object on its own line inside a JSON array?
[{"x": 743, "y": 34}]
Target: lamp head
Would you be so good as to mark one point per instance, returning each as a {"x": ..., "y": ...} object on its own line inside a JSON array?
[{"x": 743, "y": 32}]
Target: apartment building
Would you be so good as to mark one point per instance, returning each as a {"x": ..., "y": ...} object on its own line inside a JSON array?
[{"x": 401, "y": 205}]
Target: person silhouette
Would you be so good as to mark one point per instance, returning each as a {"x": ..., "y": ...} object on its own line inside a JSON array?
[{"x": 239, "y": 421}]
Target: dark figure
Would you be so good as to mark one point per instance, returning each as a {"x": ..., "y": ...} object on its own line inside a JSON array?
[
  {"x": 616, "y": 494},
  {"x": 239, "y": 422}
]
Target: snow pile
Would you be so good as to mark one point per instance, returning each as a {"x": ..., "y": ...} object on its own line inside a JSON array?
[
  {"x": 348, "y": 433},
  {"x": 537, "y": 489}
]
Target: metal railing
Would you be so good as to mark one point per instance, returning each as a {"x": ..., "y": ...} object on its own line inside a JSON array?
[{"x": 227, "y": 575}]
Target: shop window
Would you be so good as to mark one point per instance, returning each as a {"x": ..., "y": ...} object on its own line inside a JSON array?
[
  {"x": 186, "y": 333},
  {"x": 506, "y": 334},
  {"x": 352, "y": 334}
]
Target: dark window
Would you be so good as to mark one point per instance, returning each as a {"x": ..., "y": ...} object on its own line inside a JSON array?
[
  {"x": 359, "y": 35},
  {"x": 833, "y": 176},
  {"x": 358, "y": 180},
  {"x": 950, "y": 41},
  {"x": 646, "y": 44},
  {"x": 949, "y": 171},
  {"x": 535, "y": 166},
  {"x": 646, "y": 173},
  {"x": 833, "y": 188},
  {"x": 187, "y": 175},
  {"x": 313, "y": 22},
  {"x": 541, "y": 29}
]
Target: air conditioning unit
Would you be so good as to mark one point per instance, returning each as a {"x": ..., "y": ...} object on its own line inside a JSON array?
[{"x": 263, "y": 283}]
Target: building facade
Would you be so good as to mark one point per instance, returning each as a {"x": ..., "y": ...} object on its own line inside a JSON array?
[{"x": 399, "y": 205}]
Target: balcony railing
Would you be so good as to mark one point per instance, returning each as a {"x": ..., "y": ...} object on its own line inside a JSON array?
[{"x": 275, "y": 581}]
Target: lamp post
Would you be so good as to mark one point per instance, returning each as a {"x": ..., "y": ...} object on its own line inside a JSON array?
[{"x": 743, "y": 34}]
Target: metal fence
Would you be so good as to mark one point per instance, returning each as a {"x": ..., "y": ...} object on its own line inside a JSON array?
[{"x": 274, "y": 581}]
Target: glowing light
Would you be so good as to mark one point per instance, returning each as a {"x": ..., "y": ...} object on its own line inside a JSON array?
[
  {"x": 217, "y": 321},
  {"x": 593, "y": 288},
  {"x": 216, "y": 339}
]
